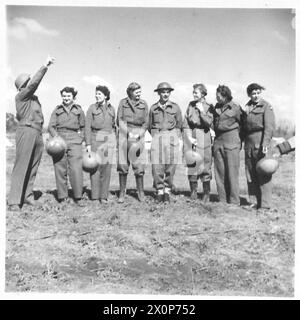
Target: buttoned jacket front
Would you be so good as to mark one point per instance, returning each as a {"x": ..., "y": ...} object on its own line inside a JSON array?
[
  {"x": 68, "y": 124},
  {"x": 167, "y": 118},
  {"x": 226, "y": 124},
  {"x": 258, "y": 123},
  {"x": 132, "y": 115},
  {"x": 99, "y": 117},
  {"x": 199, "y": 123}
]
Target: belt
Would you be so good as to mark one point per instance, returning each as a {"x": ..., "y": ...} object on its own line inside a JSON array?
[
  {"x": 31, "y": 125},
  {"x": 162, "y": 130},
  {"x": 103, "y": 131},
  {"x": 254, "y": 130},
  {"x": 205, "y": 129},
  {"x": 67, "y": 130}
]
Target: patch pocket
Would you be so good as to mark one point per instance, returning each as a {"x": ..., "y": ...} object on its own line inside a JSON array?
[
  {"x": 140, "y": 114},
  {"x": 257, "y": 116},
  {"x": 59, "y": 111},
  {"x": 229, "y": 113},
  {"x": 157, "y": 117},
  {"x": 75, "y": 111},
  {"x": 97, "y": 112},
  {"x": 127, "y": 113},
  {"x": 171, "y": 116}
]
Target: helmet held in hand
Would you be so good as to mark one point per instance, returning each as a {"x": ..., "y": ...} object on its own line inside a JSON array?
[
  {"x": 267, "y": 166},
  {"x": 56, "y": 146},
  {"x": 90, "y": 161}
]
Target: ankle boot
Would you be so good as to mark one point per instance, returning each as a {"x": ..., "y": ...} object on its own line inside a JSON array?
[
  {"x": 140, "y": 187},
  {"x": 122, "y": 181},
  {"x": 194, "y": 187},
  {"x": 206, "y": 191}
]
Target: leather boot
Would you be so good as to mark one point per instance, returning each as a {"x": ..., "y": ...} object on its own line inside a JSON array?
[
  {"x": 160, "y": 196},
  {"x": 140, "y": 187},
  {"x": 122, "y": 182},
  {"x": 194, "y": 187},
  {"x": 206, "y": 191}
]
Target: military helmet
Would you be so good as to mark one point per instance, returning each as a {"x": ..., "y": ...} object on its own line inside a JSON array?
[
  {"x": 56, "y": 146},
  {"x": 90, "y": 161},
  {"x": 163, "y": 86},
  {"x": 267, "y": 166},
  {"x": 21, "y": 80}
]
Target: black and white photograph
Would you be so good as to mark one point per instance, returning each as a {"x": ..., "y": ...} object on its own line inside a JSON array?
[{"x": 150, "y": 149}]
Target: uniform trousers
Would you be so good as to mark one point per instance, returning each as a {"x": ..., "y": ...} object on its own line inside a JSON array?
[{"x": 29, "y": 149}]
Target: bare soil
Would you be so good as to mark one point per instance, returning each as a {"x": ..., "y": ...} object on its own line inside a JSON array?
[{"x": 185, "y": 247}]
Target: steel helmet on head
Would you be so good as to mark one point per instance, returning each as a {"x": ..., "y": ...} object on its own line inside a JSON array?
[
  {"x": 163, "y": 86},
  {"x": 21, "y": 80}
]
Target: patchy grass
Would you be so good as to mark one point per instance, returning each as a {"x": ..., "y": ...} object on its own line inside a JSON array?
[{"x": 147, "y": 248}]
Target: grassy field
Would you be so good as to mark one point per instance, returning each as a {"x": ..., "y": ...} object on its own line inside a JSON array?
[{"x": 144, "y": 248}]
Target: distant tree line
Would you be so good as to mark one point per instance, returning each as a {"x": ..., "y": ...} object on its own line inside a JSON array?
[
  {"x": 11, "y": 123},
  {"x": 285, "y": 129}
]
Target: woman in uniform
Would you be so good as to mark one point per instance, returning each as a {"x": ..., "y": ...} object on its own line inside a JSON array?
[
  {"x": 67, "y": 121},
  {"x": 227, "y": 145},
  {"x": 100, "y": 138},
  {"x": 196, "y": 127},
  {"x": 258, "y": 128},
  {"x": 132, "y": 122}
]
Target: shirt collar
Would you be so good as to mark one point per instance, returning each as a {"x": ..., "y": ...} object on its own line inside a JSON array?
[
  {"x": 98, "y": 105},
  {"x": 68, "y": 107},
  {"x": 167, "y": 104},
  {"x": 133, "y": 103}
]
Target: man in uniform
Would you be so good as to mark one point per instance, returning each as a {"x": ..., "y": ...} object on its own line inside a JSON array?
[
  {"x": 258, "y": 128},
  {"x": 165, "y": 124},
  {"x": 132, "y": 122},
  {"x": 227, "y": 145},
  {"x": 29, "y": 140}
]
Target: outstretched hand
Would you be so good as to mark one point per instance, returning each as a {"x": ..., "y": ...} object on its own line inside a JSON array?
[
  {"x": 276, "y": 153},
  {"x": 50, "y": 60}
]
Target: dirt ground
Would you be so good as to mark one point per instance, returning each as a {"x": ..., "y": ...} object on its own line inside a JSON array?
[{"x": 183, "y": 248}]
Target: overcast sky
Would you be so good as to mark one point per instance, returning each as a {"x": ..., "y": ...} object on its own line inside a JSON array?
[{"x": 115, "y": 46}]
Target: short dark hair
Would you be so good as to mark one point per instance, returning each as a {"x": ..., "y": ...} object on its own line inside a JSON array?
[
  {"x": 201, "y": 87},
  {"x": 69, "y": 89},
  {"x": 254, "y": 86},
  {"x": 131, "y": 87},
  {"x": 104, "y": 90},
  {"x": 225, "y": 92}
]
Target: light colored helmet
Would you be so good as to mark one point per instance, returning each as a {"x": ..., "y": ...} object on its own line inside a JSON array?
[
  {"x": 21, "y": 80},
  {"x": 267, "y": 166}
]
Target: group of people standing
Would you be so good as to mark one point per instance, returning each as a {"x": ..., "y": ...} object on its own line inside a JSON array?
[{"x": 102, "y": 130}]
